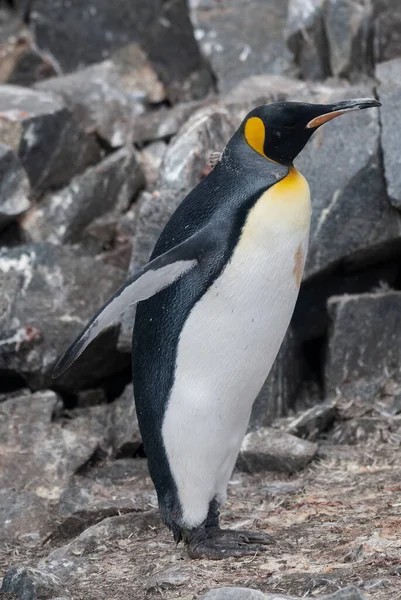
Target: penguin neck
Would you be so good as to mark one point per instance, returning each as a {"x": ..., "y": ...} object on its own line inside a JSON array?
[{"x": 240, "y": 156}]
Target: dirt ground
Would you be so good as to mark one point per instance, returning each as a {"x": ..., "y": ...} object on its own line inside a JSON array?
[{"x": 335, "y": 524}]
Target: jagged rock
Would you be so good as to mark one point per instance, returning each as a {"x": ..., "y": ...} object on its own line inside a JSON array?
[
  {"x": 52, "y": 451},
  {"x": 331, "y": 37},
  {"x": 22, "y": 513},
  {"x": 388, "y": 74},
  {"x": 364, "y": 342},
  {"x": 162, "y": 123},
  {"x": 108, "y": 187},
  {"x": 47, "y": 301},
  {"x": 168, "y": 578},
  {"x": 125, "y": 435},
  {"x": 234, "y": 593},
  {"x": 94, "y": 95},
  {"x": 184, "y": 163},
  {"x": 14, "y": 187},
  {"x": 33, "y": 584},
  {"x": 351, "y": 216},
  {"x": 271, "y": 450},
  {"x": 162, "y": 30},
  {"x": 313, "y": 421},
  {"x": 387, "y": 19},
  {"x": 44, "y": 134},
  {"x": 242, "y": 41},
  {"x": 263, "y": 89},
  {"x": 283, "y": 385},
  {"x": 151, "y": 159}
]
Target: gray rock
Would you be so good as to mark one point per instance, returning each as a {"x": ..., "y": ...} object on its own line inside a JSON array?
[
  {"x": 283, "y": 385},
  {"x": 44, "y": 134},
  {"x": 33, "y": 584},
  {"x": 313, "y": 421},
  {"x": 22, "y": 513},
  {"x": 233, "y": 593},
  {"x": 96, "y": 98},
  {"x": 47, "y": 301},
  {"x": 331, "y": 37},
  {"x": 52, "y": 451},
  {"x": 363, "y": 345},
  {"x": 91, "y": 398},
  {"x": 387, "y": 18},
  {"x": 170, "y": 578},
  {"x": 262, "y": 89},
  {"x": 14, "y": 187},
  {"x": 388, "y": 74},
  {"x": 125, "y": 435},
  {"x": 162, "y": 123},
  {"x": 272, "y": 450},
  {"x": 375, "y": 430},
  {"x": 184, "y": 163},
  {"x": 162, "y": 30},
  {"x": 352, "y": 217},
  {"x": 241, "y": 41},
  {"x": 109, "y": 187},
  {"x": 151, "y": 159}
]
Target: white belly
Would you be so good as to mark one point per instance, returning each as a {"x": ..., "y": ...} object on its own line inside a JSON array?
[{"x": 225, "y": 352}]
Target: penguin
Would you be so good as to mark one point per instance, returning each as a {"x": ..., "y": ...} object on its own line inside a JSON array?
[{"x": 215, "y": 301}]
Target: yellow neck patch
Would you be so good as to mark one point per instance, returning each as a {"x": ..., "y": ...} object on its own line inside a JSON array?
[{"x": 255, "y": 134}]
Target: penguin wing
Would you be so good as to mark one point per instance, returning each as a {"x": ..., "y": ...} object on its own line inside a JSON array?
[{"x": 152, "y": 278}]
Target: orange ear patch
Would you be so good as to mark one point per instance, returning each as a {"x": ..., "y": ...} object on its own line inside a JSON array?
[{"x": 255, "y": 134}]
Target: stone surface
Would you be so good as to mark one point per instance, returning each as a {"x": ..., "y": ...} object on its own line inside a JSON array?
[
  {"x": 44, "y": 134},
  {"x": 163, "y": 123},
  {"x": 388, "y": 75},
  {"x": 387, "y": 19},
  {"x": 125, "y": 436},
  {"x": 173, "y": 577},
  {"x": 313, "y": 421},
  {"x": 47, "y": 301},
  {"x": 233, "y": 593},
  {"x": 151, "y": 159},
  {"x": 364, "y": 341},
  {"x": 351, "y": 214},
  {"x": 33, "y": 584},
  {"x": 108, "y": 187},
  {"x": 271, "y": 450},
  {"x": 22, "y": 513},
  {"x": 242, "y": 38},
  {"x": 14, "y": 187},
  {"x": 52, "y": 451},
  {"x": 185, "y": 160},
  {"x": 162, "y": 30}
]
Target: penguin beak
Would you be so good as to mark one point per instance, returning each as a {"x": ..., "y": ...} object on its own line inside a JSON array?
[{"x": 331, "y": 111}]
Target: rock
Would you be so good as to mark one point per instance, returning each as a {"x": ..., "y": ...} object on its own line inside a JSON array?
[
  {"x": 207, "y": 130},
  {"x": 375, "y": 430},
  {"x": 172, "y": 577},
  {"x": 163, "y": 123},
  {"x": 22, "y": 513},
  {"x": 271, "y": 450},
  {"x": 306, "y": 38},
  {"x": 343, "y": 167},
  {"x": 313, "y": 421},
  {"x": 283, "y": 385},
  {"x": 151, "y": 159},
  {"x": 125, "y": 435},
  {"x": 14, "y": 187},
  {"x": 91, "y": 398},
  {"x": 108, "y": 187},
  {"x": 363, "y": 346},
  {"x": 95, "y": 96},
  {"x": 44, "y": 134},
  {"x": 263, "y": 89},
  {"x": 161, "y": 29},
  {"x": 388, "y": 74},
  {"x": 46, "y": 303},
  {"x": 52, "y": 451},
  {"x": 233, "y": 593},
  {"x": 33, "y": 584},
  {"x": 387, "y": 19},
  {"x": 241, "y": 42},
  {"x": 331, "y": 37}
]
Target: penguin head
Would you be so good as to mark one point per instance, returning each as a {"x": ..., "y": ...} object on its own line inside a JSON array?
[{"x": 279, "y": 131}]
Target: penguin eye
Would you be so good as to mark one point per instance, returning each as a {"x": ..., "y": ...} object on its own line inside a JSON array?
[{"x": 290, "y": 124}]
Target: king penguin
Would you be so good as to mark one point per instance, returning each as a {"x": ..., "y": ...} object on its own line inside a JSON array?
[{"x": 215, "y": 301}]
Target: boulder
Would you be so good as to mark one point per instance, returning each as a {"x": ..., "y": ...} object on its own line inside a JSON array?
[
  {"x": 44, "y": 134},
  {"x": 22, "y": 513},
  {"x": 364, "y": 341},
  {"x": 387, "y": 19},
  {"x": 242, "y": 41},
  {"x": 125, "y": 437},
  {"x": 14, "y": 187},
  {"x": 233, "y": 593},
  {"x": 161, "y": 28},
  {"x": 47, "y": 301},
  {"x": 163, "y": 123},
  {"x": 184, "y": 163},
  {"x": 268, "y": 449},
  {"x": 107, "y": 188},
  {"x": 388, "y": 75},
  {"x": 313, "y": 421},
  {"x": 151, "y": 159}
]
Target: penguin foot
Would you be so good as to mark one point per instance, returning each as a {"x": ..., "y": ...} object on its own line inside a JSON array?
[{"x": 215, "y": 543}]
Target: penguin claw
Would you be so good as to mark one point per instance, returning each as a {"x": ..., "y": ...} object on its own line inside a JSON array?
[{"x": 223, "y": 543}]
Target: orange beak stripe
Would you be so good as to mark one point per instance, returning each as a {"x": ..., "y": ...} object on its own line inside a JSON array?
[{"x": 327, "y": 117}]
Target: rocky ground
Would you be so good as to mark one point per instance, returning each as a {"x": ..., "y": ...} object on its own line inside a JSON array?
[{"x": 105, "y": 125}]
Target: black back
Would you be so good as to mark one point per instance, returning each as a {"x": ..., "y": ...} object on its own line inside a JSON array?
[{"x": 220, "y": 204}]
